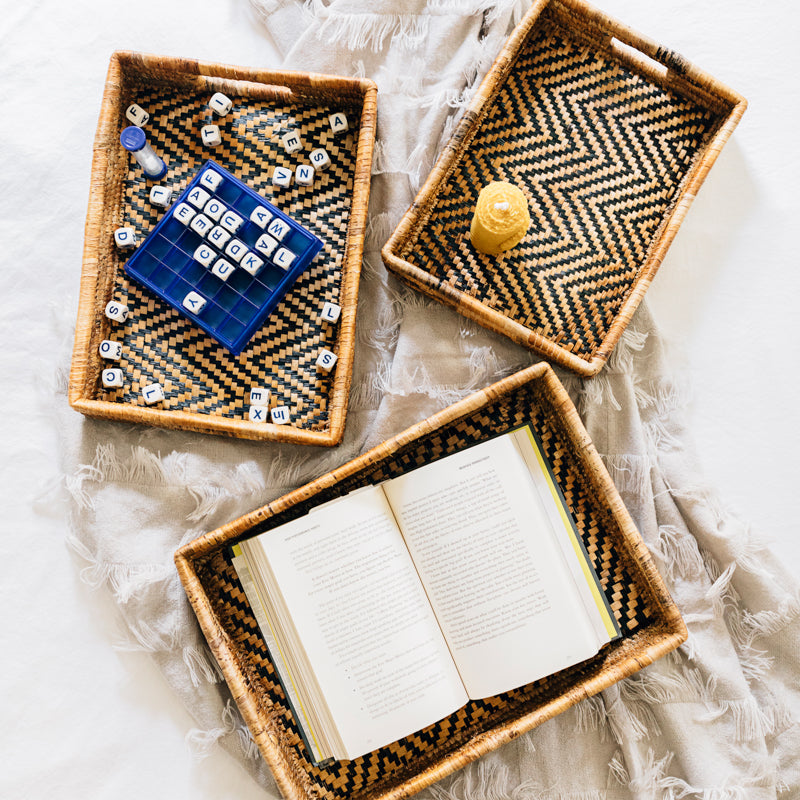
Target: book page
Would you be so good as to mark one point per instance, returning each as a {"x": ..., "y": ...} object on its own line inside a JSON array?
[
  {"x": 482, "y": 544},
  {"x": 576, "y": 558},
  {"x": 365, "y": 621}
]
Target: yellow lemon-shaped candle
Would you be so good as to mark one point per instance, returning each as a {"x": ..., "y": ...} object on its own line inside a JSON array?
[{"x": 501, "y": 218}]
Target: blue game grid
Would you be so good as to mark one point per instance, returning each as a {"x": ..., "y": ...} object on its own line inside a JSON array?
[{"x": 235, "y": 308}]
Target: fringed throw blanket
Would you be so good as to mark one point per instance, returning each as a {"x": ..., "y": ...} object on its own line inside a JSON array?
[{"x": 716, "y": 719}]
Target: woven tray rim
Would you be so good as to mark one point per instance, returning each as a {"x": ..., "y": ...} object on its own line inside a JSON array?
[
  {"x": 602, "y": 30},
  {"x": 206, "y": 75},
  {"x": 630, "y": 654}
]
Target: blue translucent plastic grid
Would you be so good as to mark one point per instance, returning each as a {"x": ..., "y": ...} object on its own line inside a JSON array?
[{"x": 235, "y": 309}]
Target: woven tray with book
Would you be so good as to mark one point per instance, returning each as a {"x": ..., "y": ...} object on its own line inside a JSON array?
[
  {"x": 647, "y": 620},
  {"x": 206, "y": 388},
  {"x": 609, "y": 136}
]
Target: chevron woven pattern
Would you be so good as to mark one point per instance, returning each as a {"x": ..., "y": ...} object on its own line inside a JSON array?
[
  {"x": 601, "y": 153},
  {"x": 160, "y": 345}
]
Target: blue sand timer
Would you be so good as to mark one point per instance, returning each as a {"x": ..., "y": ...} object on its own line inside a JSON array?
[{"x": 134, "y": 140}]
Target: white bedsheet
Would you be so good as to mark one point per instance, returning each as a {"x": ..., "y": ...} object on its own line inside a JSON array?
[{"x": 83, "y": 719}]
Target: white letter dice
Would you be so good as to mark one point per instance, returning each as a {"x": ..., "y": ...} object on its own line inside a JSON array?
[
  {"x": 194, "y": 302},
  {"x": 198, "y": 197},
  {"x": 338, "y": 122},
  {"x": 291, "y": 142},
  {"x": 205, "y": 255},
  {"x": 283, "y": 258},
  {"x": 326, "y": 360},
  {"x": 282, "y": 176},
  {"x": 236, "y": 250},
  {"x": 259, "y": 396},
  {"x": 161, "y": 196},
  {"x": 218, "y": 236},
  {"x": 278, "y": 229},
  {"x": 153, "y": 393},
  {"x": 137, "y": 115},
  {"x": 266, "y": 244},
  {"x": 257, "y": 414},
  {"x": 118, "y": 312},
  {"x": 261, "y": 216},
  {"x": 320, "y": 158},
  {"x": 214, "y": 209},
  {"x": 280, "y": 415},
  {"x": 251, "y": 263},
  {"x": 223, "y": 269},
  {"x": 110, "y": 350},
  {"x": 211, "y": 179},
  {"x": 304, "y": 175},
  {"x": 184, "y": 213},
  {"x": 201, "y": 224},
  {"x": 210, "y": 135},
  {"x": 125, "y": 238},
  {"x": 220, "y": 104},
  {"x": 330, "y": 312},
  {"x": 112, "y": 378},
  {"x": 231, "y": 221}
]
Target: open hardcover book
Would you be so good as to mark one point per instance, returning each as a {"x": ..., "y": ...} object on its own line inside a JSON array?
[{"x": 388, "y": 609}]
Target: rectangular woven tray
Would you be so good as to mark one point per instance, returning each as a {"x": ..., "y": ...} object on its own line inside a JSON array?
[
  {"x": 609, "y": 136},
  {"x": 650, "y": 623},
  {"x": 206, "y": 388}
]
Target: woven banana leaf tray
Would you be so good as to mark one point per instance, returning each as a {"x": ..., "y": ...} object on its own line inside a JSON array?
[
  {"x": 609, "y": 136},
  {"x": 650, "y": 623},
  {"x": 206, "y": 388}
]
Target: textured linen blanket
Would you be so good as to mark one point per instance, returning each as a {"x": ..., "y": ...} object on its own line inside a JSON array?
[{"x": 716, "y": 719}]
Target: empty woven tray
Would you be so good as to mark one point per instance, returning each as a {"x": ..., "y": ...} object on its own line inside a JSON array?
[
  {"x": 650, "y": 623},
  {"x": 207, "y": 388},
  {"x": 609, "y": 136}
]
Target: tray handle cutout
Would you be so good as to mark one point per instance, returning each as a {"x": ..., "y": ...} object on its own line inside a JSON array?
[{"x": 642, "y": 60}]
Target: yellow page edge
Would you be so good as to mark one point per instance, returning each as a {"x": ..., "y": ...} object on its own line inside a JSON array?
[{"x": 602, "y": 607}]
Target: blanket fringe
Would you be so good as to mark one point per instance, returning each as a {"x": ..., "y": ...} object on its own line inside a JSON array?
[
  {"x": 630, "y": 473},
  {"x": 247, "y": 744},
  {"x": 370, "y": 31},
  {"x": 202, "y": 742},
  {"x": 244, "y": 480},
  {"x": 652, "y": 779},
  {"x": 485, "y": 779},
  {"x": 591, "y": 717},
  {"x": 631, "y": 721},
  {"x": 749, "y": 720},
  {"x": 651, "y": 775},
  {"x": 124, "y": 580},
  {"x": 369, "y": 391},
  {"x": 770, "y": 622},
  {"x": 386, "y": 161},
  {"x": 744, "y": 625},
  {"x": 202, "y": 666},
  {"x": 142, "y": 637},
  {"x": 678, "y": 552},
  {"x": 357, "y": 32},
  {"x": 684, "y": 684},
  {"x": 143, "y": 468},
  {"x": 531, "y": 791}
]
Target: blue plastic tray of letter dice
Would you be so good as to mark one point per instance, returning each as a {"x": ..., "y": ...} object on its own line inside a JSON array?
[{"x": 231, "y": 294}]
